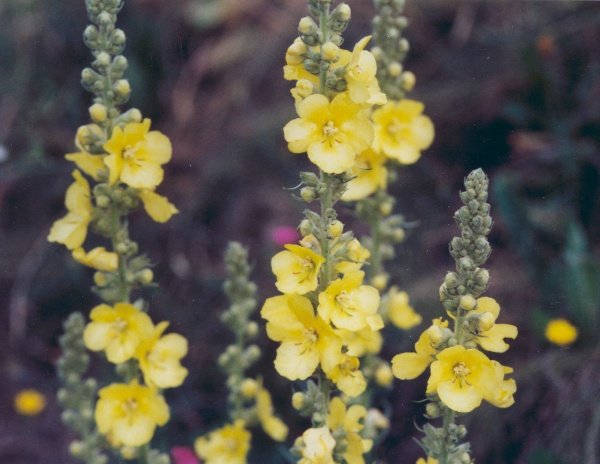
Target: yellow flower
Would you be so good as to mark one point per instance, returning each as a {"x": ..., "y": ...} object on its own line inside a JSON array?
[
  {"x": 159, "y": 208},
  {"x": 294, "y": 59},
  {"x": 344, "y": 371},
  {"x": 92, "y": 165},
  {"x": 71, "y": 230},
  {"x": 356, "y": 256},
  {"x": 129, "y": 413},
  {"x": 350, "y": 305},
  {"x": 272, "y": 425},
  {"x": 428, "y": 461},
  {"x": 462, "y": 378},
  {"x": 401, "y": 131},
  {"x": 361, "y": 342},
  {"x": 384, "y": 375},
  {"x": 305, "y": 339},
  {"x": 227, "y": 445},
  {"x": 296, "y": 269},
  {"x": 398, "y": 307},
  {"x": 502, "y": 395},
  {"x": 118, "y": 331},
  {"x": 318, "y": 446},
  {"x": 368, "y": 175},
  {"x": 160, "y": 357},
  {"x": 332, "y": 133},
  {"x": 349, "y": 423},
  {"x": 491, "y": 335},
  {"x": 98, "y": 258},
  {"x": 135, "y": 155},
  {"x": 561, "y": 332},
  {"x": 407, "y": 366},
  {"x": 361, "y": 76},
  {"x": 29, "y": 402}
]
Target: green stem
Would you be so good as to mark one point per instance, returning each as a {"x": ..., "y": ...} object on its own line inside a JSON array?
[
  {"x": 122, "y": 269},
  {"x": 376, "y": 265},
  {"x": 449, "y": 416}
]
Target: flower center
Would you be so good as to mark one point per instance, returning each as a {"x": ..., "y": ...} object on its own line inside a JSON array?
[
  {"x": 130, "y": 405},
  {"x": 120, "y": 324},
  {"x": 395, "y": 127},
  {"x": 310, "y": 336},
  {"x": 343, "y": 300},
  {"x": 129, "y": 152},
  {"x": 461, "y": 370},
  {"x": 329, "y": 129}
]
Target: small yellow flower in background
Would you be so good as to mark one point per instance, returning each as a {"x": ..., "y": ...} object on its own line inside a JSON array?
[
  {"x": 160, "y": 357},
  {"x": 361, "y": 76},
  {"x": 383, "y": 375},
  {"x": 398, "y": 307},
  {"x": 401, "y": 131},
  {"x": 118, "y": 330},
  {"x": 350, "y": 423},
  {"x": 305, "y": 339},
  {"x": 135, "y": 155},
  {"x": 407, "y": 366},
  {"x": 369, "y": 174},
  {"x": 332, "y": 133},
  {"x": 561, "y": 332},
  {"x": 350, "y": 305},
  {"x": 462, "y": 378},
  {"x": 159, "y": 208},
  {"x": 71, "y": 230},
  {"x": 272, "y": 425},
  {"x": 128, "y": 414},
  {"x": 318, "y": 446},
  {"x": 97, "y": 258},
  {"x": 296, "y": 269},
  {"x": 227, "y": 445},
  {"x": 29, "y": 402},
  {"x": 491, "y": 335}
]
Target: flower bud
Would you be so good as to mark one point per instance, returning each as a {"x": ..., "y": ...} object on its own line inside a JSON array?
[
  {"x": 145, "y": 276},
  {"x": 432, "y": 410},
  {"x": 343, "y": 12},
  {"x": 76, "y": 448},
  {"x": 335, "y": 229},
  {"x": 330, "y": 51},
  {"x": 485, "y": 321},
  {"x": 408, "y": 81},
  {"x": 298, "y": 400},
  {"x": 380, "y": 281},
  {"x": 252, "y": 329},
  {"x": 308, "y": 194},
  {"x": 435, "y": 334},
  {"x": 122, "y": 87},
  {"x": 98, "y": 112},
  {"x": 305, "y": 227},
  {"x": 395, "y": 69},
  {"x": 249, "y": 388},
  {"x": 307, "y": 26},
  {"x": 383, "y": 375},
  {"x": 467, "y": 302}
]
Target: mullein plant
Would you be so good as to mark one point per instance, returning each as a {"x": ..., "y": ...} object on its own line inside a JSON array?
[
  {"x": 326, "y": 318},
  {"x": 461, "y": 375},
  {"x": 249, "y": 402},
  {"x": 117, "y": 168}
]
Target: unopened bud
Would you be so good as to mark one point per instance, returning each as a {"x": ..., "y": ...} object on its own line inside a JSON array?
[
  {"x": 98, "y": 112},
  {"x": 383, "y": 375},
  {"x": 145, "y": 276},
  {"x": 298, "y": 399},
  {"x": 486, "y": 321},
  {"x": 330, "y": 51},
  {"x": 308, "y": 194},
  {"x": 335, "y": 229},
  {"x": 122, "y": 87},
  {"x": 380, "y": 281},
  {"x": 248, "y": 388},
  {"x": 432, "y": 410},
  {"x": 395, "y": 69},
  {"x": 467, "y": 302},
  {"x": 307, "y": 26},
  {"x": 408, "y": 81},
  {"x": 102, "y": 59},
  {"x": 305, "y": 227}
]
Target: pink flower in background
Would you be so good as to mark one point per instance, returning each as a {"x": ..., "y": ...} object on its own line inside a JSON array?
[
  {"x": 183, "y": 455},
  {"x": 282, "y": 235}
]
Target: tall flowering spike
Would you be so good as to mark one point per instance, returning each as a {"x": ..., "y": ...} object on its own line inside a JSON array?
[
  {"x": 326, "y": 316},
  {"x": 462, "y": 376},
  {"x": 119, "y": 163},
  {"x": 249, "y": 403}
]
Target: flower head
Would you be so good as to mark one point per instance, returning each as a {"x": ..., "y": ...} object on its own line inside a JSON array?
[
  {"x": 348, "y": 422},
  {"x": 296, "y": 269},
  {"x": 398, "y": 307},
  {"x": 368, "y": 175},
  {"x": 332, "y": 133},
  {"x": 350, "y": 305},
  {"x": 318, "y": 446},
  {"x": 344, "y": 371},
  {"x": 305, "y": 339},
  {"x": 118, "y": 330},
  {"x": 129, "y": 413},
  {"x": 229, "y": 444},
  {"x": 561, "y": 332},
  {"x": 491, "y": 336},
  {"x": 411, "y": 365},
  {"x": 71, "y": 230},
  {"x": 97, "y": 258},
  {"x": 462, "y": 378},
  {"x": 401, "y": 131},
  {"x": 29, "y": 402},
  {"x": 135, "y": 155},
  {"x": 160, "y": 356},
  {"x": 361, "y": 76}
]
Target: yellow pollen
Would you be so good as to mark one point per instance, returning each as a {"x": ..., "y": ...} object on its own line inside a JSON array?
[
  {"x": 343, "y": 299},
  {"x": 461, "y": 370},
  {"x": 395, "y": 126},
  {"x": 329, "y": 129},
  {"x": 129, "y": 152},
  {"x": 310, "y": 335},
  {"x": 120, "y": 324},
  {"x": 130, "y": 405}
]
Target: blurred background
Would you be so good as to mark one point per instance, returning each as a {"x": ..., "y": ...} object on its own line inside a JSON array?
[{"x": 511, "y": 86}]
